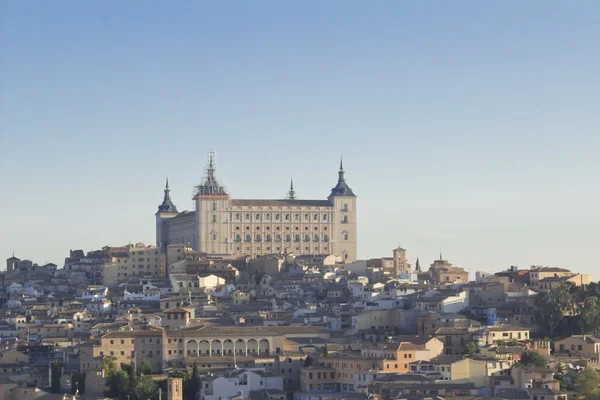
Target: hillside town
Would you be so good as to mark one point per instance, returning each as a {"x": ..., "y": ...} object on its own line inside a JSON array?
[{"x": 134, "y": 322}]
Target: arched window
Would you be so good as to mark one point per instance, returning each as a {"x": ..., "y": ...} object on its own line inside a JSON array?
[
  {"x": 268, "y": 217},
  {"x": 287, "y": 217},
  {"x": 277, "y": 217},
  {"x": 247, "y": 216},
  {"x": 316, "y": 217},
  {"x": 237, "y": 216},
  {"x": 324, "y": 217},
  {"x": 258, "y": 217},
  {"x": 306, "y": 217},
  {"x": 296, "y": 217}
]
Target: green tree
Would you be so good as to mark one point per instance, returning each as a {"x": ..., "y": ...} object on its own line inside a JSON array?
[
  {"x": 533, "y": 358},
  {"x": 146, "y": 367},
  {"x": 145, "y": 388},
  {"x": 553, "y": 305},
  {"x": 587, "y": 383},
  {"x": 590, "y": 315},
  {"x": 470, "y": 349},
  {"x": 118, "y": 385},
  {"x": 55, "y": 374},
  {"x": 109, "y": 366},
  {"x": 78, "y": 382},
  {"x": 194, "y": 382}
]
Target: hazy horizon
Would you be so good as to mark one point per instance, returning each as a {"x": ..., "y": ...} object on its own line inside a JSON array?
[{"x": 470, "y": 128}]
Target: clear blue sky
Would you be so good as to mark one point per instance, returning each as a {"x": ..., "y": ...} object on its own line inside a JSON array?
[{"x": 464, "y": 125}]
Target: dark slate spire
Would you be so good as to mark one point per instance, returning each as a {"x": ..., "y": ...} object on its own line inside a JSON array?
[
  {"x": 210, "y": 186},
  {"x": 292, "y": 193},
  {"x": 167, "y": 205},
  {"x": 417, "y": 266},
  {"x": 342, "y": 188}
]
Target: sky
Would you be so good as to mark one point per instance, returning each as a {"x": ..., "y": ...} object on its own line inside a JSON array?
[{"x": 467, "y": 127}]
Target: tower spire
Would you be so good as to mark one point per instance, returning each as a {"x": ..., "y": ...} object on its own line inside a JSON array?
[
  {"x": 210, "y": 186},
  {"x": 167, "y": 205},
  {"x": 292, "y": 192},
  {"x": 341, "y": 177},
  {"x": 342, "y": 188}
]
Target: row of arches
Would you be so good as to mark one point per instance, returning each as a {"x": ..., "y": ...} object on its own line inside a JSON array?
[{"x": 217, "y": 347}]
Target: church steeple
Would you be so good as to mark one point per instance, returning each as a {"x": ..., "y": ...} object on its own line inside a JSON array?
[
  {"x": 342, "y": 188},
  {"x": 292, "y": 193},
  {"x": 167, "y": 205},
  {"x": 417, "y": 266}
]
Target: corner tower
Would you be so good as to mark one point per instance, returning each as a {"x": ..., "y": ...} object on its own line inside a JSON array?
[
  {"x": 343, "y": 202},
  {"x": 212, "y": 213},
  {"x": 166, "y": 211}
]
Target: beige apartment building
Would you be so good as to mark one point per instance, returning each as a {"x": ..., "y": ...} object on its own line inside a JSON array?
[
  {"x": 576, "y": 279},
  {"x": 221, "y": 225},
  {"x": 505, "y": 333},
  {"x": 184, "y": 346},
  {"x": 442, "y": 272},
  {"x": 132, "y": 260},
  {"x": 537, "y": 274},
  {"x": 578, "y": 346}
]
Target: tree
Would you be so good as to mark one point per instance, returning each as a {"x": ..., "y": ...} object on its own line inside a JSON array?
[
  {"x": 78, "y": 382},
  {"x": 109, "y": 366},
  {"x": 533, "y": 358},
  {"x": 145, "y": 388},
  {"x": 118, "y": 385},
  {"x": 590, "y": 315},
  {"x": 194, "y": 382},
  {"x": 553, "y": 305},
  {"x": 146, "y": 367},
  {"x": 470, "y": 349},
  {"x": 587, "y": 383},
  {"x": 55, "y": 374}
]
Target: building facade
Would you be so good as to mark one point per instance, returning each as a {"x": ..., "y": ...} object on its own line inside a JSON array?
[
  {"x": 221, "y": 225},
  {"x": 131, "y": 260}
]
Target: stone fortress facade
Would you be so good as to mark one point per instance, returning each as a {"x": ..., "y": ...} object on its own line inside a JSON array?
[{"x": 221, "y": 225}]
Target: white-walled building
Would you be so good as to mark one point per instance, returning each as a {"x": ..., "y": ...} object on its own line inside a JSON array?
[{"x": 226, "y": 226}]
